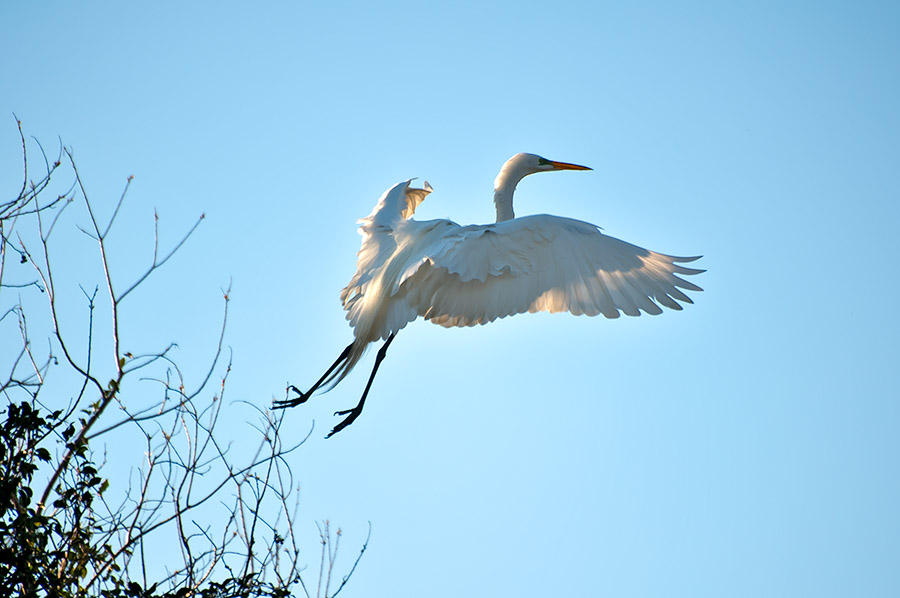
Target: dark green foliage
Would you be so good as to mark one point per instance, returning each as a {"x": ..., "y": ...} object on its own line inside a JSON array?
[
  {"x": 48, "y": 549},
  {"x": 52, "y": 550},
  {"x": 44, "y": 550}
]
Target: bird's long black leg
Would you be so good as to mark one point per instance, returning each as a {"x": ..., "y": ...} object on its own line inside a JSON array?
[
  {"x": 304, "y": 396},
  {"x": 352, "y": 414}
]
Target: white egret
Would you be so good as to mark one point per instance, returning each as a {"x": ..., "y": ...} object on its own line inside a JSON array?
[{"x": 456, "y": 275}]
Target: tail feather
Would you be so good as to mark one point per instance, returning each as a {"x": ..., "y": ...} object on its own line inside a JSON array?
[{"x": 356, "y": 352}]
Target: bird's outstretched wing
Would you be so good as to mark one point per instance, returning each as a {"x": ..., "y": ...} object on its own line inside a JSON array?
[{"x": 468, "y": 275}]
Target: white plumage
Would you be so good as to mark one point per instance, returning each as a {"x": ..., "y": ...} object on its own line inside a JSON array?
[{"x": 456, "y": 275}]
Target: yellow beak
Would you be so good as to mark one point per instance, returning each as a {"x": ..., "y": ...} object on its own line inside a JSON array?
[{"x": 567, "y": 166}]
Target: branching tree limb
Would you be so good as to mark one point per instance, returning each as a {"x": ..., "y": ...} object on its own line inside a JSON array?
[{"x": 65, "y": 528}]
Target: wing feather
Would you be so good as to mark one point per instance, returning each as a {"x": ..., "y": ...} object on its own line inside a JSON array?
[{"x": 476, "y": 274}]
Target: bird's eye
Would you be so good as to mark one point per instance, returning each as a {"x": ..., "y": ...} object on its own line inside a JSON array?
[{"x": 543, "y": 161}]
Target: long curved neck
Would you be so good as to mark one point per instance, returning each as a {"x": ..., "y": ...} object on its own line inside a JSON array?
[
  {"x": 504, "y": 187},
  {"x": 503, "y": 201}
]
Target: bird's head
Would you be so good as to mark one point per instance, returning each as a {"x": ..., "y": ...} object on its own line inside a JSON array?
[{"x": 521, "y": 165}]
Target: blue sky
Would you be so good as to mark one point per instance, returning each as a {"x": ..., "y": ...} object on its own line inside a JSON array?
[{"x": 746, "y": 446}]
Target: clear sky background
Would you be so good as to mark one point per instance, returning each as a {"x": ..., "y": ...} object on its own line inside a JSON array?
[{"x": 747, "y": 446}]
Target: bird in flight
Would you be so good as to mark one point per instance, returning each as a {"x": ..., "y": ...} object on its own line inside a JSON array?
[{"x": 456, "y": 275}]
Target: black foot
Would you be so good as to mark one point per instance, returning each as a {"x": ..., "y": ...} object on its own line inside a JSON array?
[
  {"x": 351, "y": 414},
  {"x": 301, "y": 398}
]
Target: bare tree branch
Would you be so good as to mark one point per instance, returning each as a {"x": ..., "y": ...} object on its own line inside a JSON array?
[{"x": 94, "y": 537}]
